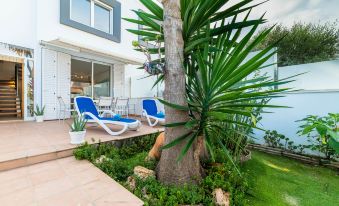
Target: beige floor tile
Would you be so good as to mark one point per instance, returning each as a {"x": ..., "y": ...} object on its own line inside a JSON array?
[
  {"x": 46, "y": 175},
  {"x": 49, "y": 184},
  {"x": 96, "y": 189},
  {"x": 50, "y": 165},
  {"x": 86, "y": 176},
  {"x": 14, "y": 185},
  {"x": 12, "y": 174},
  {"x": 18, "y": 198},
  {"x": 53, "y": 187},
  {"x": 74, "y": 197}
]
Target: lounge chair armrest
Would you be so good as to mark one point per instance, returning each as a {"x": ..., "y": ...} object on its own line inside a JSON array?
[{"x": 90, "y": 115}]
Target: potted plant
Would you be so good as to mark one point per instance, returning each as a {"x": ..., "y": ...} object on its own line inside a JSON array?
[
  {"x": 77, "y": 130},
  {"x": 39, "y": 113}
]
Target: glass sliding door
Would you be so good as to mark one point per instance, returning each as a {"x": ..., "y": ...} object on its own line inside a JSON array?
[
  {"x": 92, "y": 79},
  {"x": 81, "y": 78},
  {"x": 101, "y": 80}
]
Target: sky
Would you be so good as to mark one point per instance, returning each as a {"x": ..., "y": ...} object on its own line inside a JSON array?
[{"x": 287, "y": 12}]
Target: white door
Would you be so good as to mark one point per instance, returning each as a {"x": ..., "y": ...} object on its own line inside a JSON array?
[
  {"x": 64, "y": 81},
  {"x": 49, "y": 83}
]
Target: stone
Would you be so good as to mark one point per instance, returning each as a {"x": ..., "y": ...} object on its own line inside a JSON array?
[
  {"x": 101, "y": 159},
  {"x": 131, "y": 183},
  {"x": 143, "y": 173},
  {"x": 221, "y": 198}
]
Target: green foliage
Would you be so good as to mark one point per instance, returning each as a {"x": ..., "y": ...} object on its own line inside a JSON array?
[
  {"x": 119, "y": 163},
  {"x": 219, "y": 88},
  {"x": 322, "y": 133},
  {"x": 304, "y": 43},
  {"x": 38, "y": 111},
  {"x": 276, "y": 180},
  {"x": 276, "y": 140},
  {"x": 79, "y": 124}
]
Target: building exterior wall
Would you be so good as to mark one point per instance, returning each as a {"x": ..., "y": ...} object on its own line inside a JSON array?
[{"x": 27, "y": 23}]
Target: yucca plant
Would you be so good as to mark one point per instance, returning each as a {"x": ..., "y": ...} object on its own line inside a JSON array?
[
  {"x": 219, "y": 90},
  {"x": 39, "y": 111},
  {"x": 79, "y": 123}
]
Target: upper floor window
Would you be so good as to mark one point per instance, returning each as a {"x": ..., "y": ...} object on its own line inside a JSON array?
[
  {"x": 99, "y": 17},
  {"x": 93, "y": 13}
]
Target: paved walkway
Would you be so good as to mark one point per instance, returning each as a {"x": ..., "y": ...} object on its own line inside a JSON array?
[
  {"x": 62, "y": 182},
  {"x": 25, "y": 143}
]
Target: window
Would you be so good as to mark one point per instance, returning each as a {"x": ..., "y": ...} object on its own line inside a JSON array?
[
  {"x": 98, "y": 17},
  {"x": 81, "y": 11},
  {"x": 90, "y": 79},
  {"x": 102, "y": 18},
  {"x": 92, "y": 13}
]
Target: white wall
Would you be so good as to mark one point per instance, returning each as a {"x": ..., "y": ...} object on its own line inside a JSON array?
[
  {"x": 49, "y": 28},
  {"x": 18, "y": 22},
  {"x": 317, "y": 76},
  {"x": 320, "y": 96}
]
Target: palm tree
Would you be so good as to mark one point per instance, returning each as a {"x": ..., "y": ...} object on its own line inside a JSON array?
[{"x": 206, "y": 73}]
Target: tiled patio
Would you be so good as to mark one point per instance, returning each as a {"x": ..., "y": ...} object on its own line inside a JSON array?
[
  {"x": 62, "y": 182},
  {"x": 26, "y": 143}
]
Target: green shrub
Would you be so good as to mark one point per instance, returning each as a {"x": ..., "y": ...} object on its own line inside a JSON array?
[
  {"x": 304, "y": 43},
  {"x": 120, "y": 162}
]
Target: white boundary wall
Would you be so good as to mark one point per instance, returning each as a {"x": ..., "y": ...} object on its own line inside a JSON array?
[{"x": 319, "y": 96}]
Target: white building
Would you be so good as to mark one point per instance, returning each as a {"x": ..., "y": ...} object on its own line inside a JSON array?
[{"x": 52, "y": 48}]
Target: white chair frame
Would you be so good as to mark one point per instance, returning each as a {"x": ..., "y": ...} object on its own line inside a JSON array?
[
  {"x": 63, "y": 109},
  {"x": 150, "y": 117},
  {"x": 102, "y": 123}
]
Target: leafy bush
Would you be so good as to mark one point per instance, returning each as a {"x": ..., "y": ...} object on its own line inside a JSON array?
[
  {"x": 321, "y": 133},
  {"x": 119, "y": 163},
  {"x": 304, "y": 43},
  {"x": 274, "y": 139}
]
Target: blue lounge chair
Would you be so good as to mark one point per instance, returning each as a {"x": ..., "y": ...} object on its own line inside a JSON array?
[
  {"x": 86, "y": 107},
  {"x": 150, "y": 111}
]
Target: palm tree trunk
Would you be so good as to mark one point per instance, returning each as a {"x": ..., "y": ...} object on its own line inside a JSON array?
[{"x": 170, "y": 171}]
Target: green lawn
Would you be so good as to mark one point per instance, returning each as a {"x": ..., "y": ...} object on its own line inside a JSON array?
[{"x": 278, "y": 181}]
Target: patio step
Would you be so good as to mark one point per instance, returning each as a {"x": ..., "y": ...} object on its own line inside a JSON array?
[{"x": 10, "y": 114}]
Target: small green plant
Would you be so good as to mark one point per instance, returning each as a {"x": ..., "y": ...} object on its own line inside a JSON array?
[
  {"x": 322, "y": 133},
  {"x": 79, "y": 124},
  {"x": 38, "y": 111},
  {"x": 276, "y": 140}
]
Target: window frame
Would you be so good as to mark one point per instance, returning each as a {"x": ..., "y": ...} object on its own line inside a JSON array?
[{"x": 113, "y": 6}]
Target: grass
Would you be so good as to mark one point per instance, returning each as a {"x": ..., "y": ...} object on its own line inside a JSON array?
[{"x": 281, "y": 181}]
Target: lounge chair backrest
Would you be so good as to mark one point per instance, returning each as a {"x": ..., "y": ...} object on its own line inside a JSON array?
[
  {"x": 86, "y": 104},
  {"x": 105, "y": 102},
  {"x": 150, "y": 106}
]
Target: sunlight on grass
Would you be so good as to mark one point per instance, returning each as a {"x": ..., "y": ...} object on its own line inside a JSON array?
[
  {"x": 290, "y": 200},
  {"x": 275, "y": 166},
  {"x": 280, "y": 181}
]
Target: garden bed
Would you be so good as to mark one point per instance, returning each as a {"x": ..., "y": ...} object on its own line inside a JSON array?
[{"x": 119, "y": 162}]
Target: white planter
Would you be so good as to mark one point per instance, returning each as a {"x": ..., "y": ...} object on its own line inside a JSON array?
[
  {"x": 39, "y": 118},
  {"x": 77, "y": 137}
]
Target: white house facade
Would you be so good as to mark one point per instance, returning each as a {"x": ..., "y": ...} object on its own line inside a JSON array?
[{"x": 63, "y": 48}]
